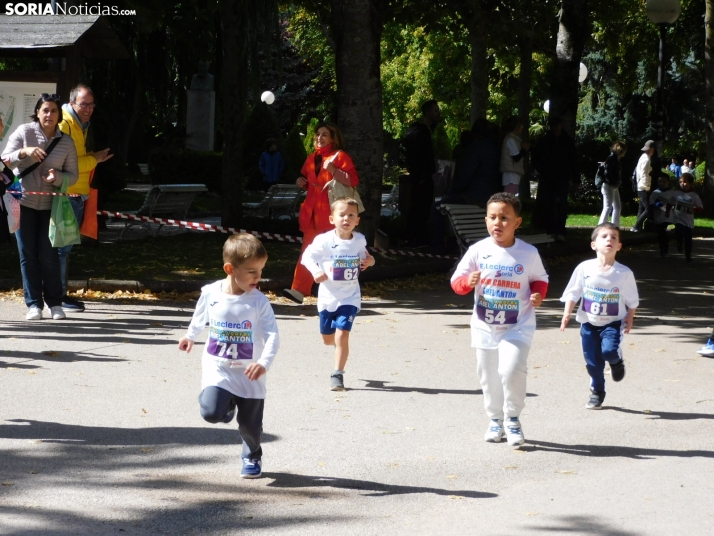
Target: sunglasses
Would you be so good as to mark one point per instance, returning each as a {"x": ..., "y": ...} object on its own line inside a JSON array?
[{"x": 48, "y": 96}]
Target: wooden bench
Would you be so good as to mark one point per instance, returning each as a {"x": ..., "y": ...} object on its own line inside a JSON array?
[
  {"x": 469, "y": 225},
  {"x": 167, "y": 201},
  {"x": 281, "y": 201}
]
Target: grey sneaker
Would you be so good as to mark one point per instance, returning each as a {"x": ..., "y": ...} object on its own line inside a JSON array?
[
  {"x": 596, "y": 399},
  {"x": 337, "y": 382},
  {"x": 514, "y": 432}
]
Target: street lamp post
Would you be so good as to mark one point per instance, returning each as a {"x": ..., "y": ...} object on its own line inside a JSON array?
[{"x": 661, "y": 12}]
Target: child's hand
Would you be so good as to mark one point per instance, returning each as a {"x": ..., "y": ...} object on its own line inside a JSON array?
[
  {"x": 366, "y": 262},
  {"x": 474, "y": 278},
  {"x": 254, "y": 371},
  {"x": 536, "y": 299},
  {"x": 185, "y": 344},
  {"x": 564, "y": 322},
  {"x": 320, "y": 277},
  {"x": 628, "y": 320}
]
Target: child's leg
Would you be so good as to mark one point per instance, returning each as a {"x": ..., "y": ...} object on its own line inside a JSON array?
[
  {"x": 487, "y": 370},
  {"x": 217, "y": 404},
  {"x": 513, "y": 370},
  {"x": 342, "y": 349},
  {"x": 679, "y": 236},
  {"x": 590, "y": 338},
  {"x": 250, "y": 426},
  {"x": 610, "y": 339},
  {"x": 662, "y": 238},
  {"x": 687, "y": 234}
]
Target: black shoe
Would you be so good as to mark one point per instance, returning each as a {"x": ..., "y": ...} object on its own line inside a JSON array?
[
  {"x": 72, "y": 305},
  {"x": 294, "y": 295},
  {"x": 617, "y": 371},
  {"x": 596, "y": 399}
]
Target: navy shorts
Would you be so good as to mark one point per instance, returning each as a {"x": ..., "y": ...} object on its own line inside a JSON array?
[{"x": 342, "y": 318}]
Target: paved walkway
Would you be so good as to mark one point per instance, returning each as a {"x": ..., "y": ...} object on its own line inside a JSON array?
[{"x": 100, "y": 431}]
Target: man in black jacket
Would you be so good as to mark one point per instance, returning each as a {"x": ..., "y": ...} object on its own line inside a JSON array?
[
  {"x": 421, "y": 165},
  {"x": 556, "y": 161}
]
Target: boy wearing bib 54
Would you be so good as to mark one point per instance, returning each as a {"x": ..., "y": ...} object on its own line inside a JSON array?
[
  {"x": 509, "y": 282},
  {"x": 335, "y": 259},
  {"x": 607, "y": 310},
  {"x": 242, "y": 342}
]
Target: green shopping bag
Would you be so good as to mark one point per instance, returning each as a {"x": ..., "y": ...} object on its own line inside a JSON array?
[{"x": 63, "y": 225}]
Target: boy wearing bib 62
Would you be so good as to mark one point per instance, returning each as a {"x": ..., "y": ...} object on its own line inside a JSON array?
[
  {"x": 335, "y": 259},
  {"x": 242, "y": 342},
  {"x": 607, "y": 309},
  {"x": 509, "y": 282}
]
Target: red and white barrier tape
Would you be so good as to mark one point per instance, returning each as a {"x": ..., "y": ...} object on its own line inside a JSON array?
[{"x": 198, "y": 226}]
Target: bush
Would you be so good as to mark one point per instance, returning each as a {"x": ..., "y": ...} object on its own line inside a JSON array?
[
  {"x": 700, "y": 174},
  {"x": 309, "y": 140},
  {"x": 182, "y": 166}
]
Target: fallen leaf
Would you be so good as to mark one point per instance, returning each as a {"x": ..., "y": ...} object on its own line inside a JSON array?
[
  {"x": 647, "y": 411},
  {"x": 37, "y": 441},
  {"x": 511, "y": 467},
  {"x": 566, "y": 472},
  {"x": 455, "y": 497},
  {"x": 453, "y": 477},
  {"x": 322, "y": 464},
  {"x": 8, "y": 483},
  {"x": 147, "y": 449},
  {"x": 51, "y": 353},
  {"x": 531, "y": 514},
  {"x": 564, "y": 342},
  {"x": 126, "y": 340},
  {"x": 34, "y": 472},
  {"x": 157, "y": 324},
  {"x": 31, "y": 372},
  {"x": 450, "y": 305},
  {"x": 143, "y": 410}
]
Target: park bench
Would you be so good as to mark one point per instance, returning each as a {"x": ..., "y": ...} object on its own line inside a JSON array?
[
  {"x": 281, "y": 201},
  {"x": 166, "y": 201},
  {"x": 469, "y": 225}
]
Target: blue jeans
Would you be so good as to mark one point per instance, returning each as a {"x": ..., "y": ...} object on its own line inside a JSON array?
[
  {"x": 216, "y": 403},
  {"x": 39, "y": 261},
  {"x": 600, "y": 344},
  {"x": 78, "y": 208}
]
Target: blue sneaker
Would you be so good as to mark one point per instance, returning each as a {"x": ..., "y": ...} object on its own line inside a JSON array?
[
  {"x": 707, "y": 350},
  {"x": 251, "y": 468}
]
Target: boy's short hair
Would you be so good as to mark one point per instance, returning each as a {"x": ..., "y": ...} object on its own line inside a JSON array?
[
  {"x": 242, "y": 247},
  {"x": 346, "y": 200},
  {"x": 509, "y": 199},
  {"x": 606, "y": 225},
  {"x": 688, "y": 178}
]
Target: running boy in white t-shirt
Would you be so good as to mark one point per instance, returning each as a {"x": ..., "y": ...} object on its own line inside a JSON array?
[
  {"x": 509, "y": 280},
  {"x": 335, "y": 259},
  {"x": 242, "y": 342},
  {"x": 607, "y": 310}
]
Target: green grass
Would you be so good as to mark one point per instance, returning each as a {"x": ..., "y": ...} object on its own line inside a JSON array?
[{"x": 587, "y": 220}]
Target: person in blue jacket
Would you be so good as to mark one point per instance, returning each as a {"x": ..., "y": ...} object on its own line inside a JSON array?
[{"x": 271, "y": 163}]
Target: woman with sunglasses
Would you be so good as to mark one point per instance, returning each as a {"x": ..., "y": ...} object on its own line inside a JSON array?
[{"x": 27, "y": 146}]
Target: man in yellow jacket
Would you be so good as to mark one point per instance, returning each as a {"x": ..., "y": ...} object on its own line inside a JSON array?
[{"x": 75, "y": 123}]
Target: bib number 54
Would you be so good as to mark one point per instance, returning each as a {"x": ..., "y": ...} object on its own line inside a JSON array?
[{"x": 490, "y": 318}]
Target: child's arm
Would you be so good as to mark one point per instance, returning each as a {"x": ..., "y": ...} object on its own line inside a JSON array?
[
  {"x": 629, "y": 319},
  {"x": 198, "y": 323},
  {"x": 266, "y": 319},
  {"x": 569, "y": 306},
  {"x": 366, "y": 262},
  {"x": 312, "y": 259},
  {"x": 466, "y": 283},
  {"x": 466, "y": 277}
]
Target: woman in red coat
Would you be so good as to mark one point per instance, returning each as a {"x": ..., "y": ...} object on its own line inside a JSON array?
[{"x": 328, "y": 162}]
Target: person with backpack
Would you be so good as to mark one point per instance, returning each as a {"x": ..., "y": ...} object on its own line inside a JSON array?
[{"x": 611, "y": 179}]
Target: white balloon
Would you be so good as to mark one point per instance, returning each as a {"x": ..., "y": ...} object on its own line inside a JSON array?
[
  {"x": 583, "y": 73},
  {"x": 267, "y": 97},
  {"x": 546, "y": 106}
]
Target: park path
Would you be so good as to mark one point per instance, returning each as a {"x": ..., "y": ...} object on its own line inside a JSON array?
[{"x": 100, "y": 431}]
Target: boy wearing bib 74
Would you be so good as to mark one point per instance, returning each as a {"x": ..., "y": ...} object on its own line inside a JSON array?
[
  {"x": 335, "y": 259},
  {"x": 509, "y": 281},
  {"x": 607, "y": 309}
]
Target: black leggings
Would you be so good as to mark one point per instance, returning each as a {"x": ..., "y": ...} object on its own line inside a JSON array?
[{"x": 683, "y": 234}]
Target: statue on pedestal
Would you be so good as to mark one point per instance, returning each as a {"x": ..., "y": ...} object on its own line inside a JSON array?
[{"x": 202, "y": 80}]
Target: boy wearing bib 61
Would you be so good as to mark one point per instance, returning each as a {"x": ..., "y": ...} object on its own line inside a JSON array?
[
  {"x": 509, "y": 280},
  {"x": 607, "y": 310}
]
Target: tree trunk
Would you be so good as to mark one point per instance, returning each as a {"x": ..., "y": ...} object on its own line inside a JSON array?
[
  {"x": 564, "y": 87},
  {"x": 708, "y": 200},
  {"x": 479, "y": 60},
  {"x": 234, "y": 91},
  {"x": 524, "y": 102},
  {"x": 357, "y": 31}
]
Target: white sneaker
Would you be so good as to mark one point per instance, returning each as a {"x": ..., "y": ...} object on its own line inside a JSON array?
[
  {"x": 57, "y": 313},
  {"x": 35, "y": 313},
  {"x": 494, "y": 432},
  {"x": 514, "y": 432}
]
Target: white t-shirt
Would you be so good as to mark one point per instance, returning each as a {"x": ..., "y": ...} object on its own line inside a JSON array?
[
  {"x": 242, "y": 329},
  {"x": 683, "y": 207},
  {"x": 660, "y": 213},
  {"x": 502, "y": 309},
  {"x": 606, "y": 297},
  {"x": 340, "y": 260}
]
